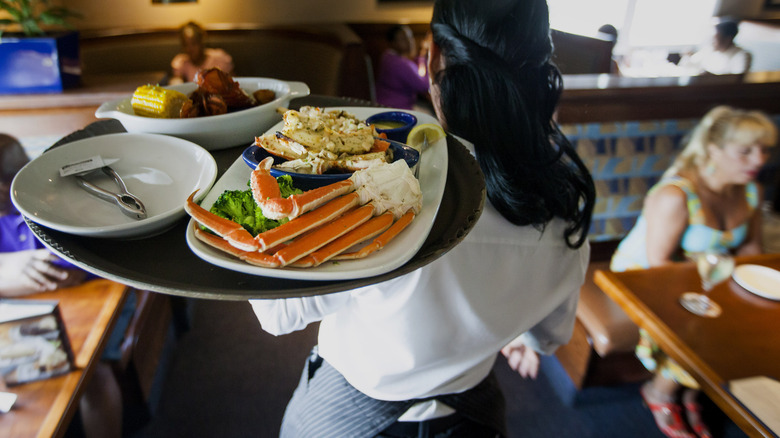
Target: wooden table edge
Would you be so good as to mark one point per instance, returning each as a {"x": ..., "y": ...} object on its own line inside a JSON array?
[{"x": 713, "y": 385}]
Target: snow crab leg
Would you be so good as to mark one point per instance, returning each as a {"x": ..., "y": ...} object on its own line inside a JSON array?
[
  {"x": 376, "y": 203},
  {"x": 266, "y": 193}
]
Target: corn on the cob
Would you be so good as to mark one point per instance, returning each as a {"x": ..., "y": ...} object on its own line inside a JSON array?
[{"x": 156, "y": 101}]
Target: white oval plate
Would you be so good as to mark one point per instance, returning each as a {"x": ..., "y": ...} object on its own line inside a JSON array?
[
  {"x": 760, "y": 280},
  {"x": 212, "y": 132},
  {"x": 433, "y": 176},
  {"x": 161, "y": 170}
]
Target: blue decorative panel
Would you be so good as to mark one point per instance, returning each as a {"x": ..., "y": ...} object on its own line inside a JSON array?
[{"x": 39, "y": 65}]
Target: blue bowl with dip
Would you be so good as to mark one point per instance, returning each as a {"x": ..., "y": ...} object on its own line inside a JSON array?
[
  {"x": 395, "y": 124},
  {"x": 305, "y": 181}
]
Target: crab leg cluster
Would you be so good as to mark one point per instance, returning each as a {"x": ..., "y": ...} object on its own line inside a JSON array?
[{"x": 324, "y": 223}]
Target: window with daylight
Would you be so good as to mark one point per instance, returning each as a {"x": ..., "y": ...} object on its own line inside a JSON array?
[{"x": 640, "y": 23}]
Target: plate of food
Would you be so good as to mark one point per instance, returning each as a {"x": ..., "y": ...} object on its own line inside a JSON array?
[
  {"x": 760, "y": 280},
  {"x": 430, "y": 181},
  {"x": 226, "y": 116},
  {"x": 157, "y": 169}
]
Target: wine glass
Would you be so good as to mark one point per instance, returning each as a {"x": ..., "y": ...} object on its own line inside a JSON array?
[{"x": 714, "y": 267}]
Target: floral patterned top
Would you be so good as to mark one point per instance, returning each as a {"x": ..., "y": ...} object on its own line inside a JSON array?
[{"x": 632, "y": 251}]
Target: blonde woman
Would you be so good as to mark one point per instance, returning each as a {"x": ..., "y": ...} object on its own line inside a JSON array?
[{"x": 708, "y": 199}]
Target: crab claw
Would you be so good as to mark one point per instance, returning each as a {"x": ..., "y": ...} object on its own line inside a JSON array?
[
  {"x": 227, "y": 229},
  {"x": 266, "y": 193}
]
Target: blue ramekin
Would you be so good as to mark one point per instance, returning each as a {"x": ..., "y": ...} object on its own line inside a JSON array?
[{"x": 398, "y": 134}]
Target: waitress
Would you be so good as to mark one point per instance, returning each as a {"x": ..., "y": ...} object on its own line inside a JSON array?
[{"x": 413, "y": 356}]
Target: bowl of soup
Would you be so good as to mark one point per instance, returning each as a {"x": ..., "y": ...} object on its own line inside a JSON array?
[{"x": 395, "y": 124}]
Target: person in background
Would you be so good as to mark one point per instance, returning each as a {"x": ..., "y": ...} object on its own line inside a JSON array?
[
  {"x": 26, "y": 268},
  {"x": 195, "y": 56},
  {"x": 402, "y": 76},
  {"x": 708, "y": 199},
  {"x": 413, "y": 356},
  {"x": 610, "y": 33},
  {"x": 723, "y": 56}
]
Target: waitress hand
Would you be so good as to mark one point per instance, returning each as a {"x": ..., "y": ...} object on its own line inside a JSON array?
[
  {"x": 27, "y": 272},
  {"x": 522, "y": 358}
]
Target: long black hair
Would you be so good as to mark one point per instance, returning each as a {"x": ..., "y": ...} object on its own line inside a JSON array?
[{"x": 499, "y": 90}]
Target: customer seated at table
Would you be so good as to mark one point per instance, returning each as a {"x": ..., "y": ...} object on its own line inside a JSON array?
[
  {"x": 708, "y": 199},
  {"x": 402, "y": 78},
  {"x": 26, "y": 268},
  {"x": 196, "y": 56},
  {"x": 720, "y": 57}
]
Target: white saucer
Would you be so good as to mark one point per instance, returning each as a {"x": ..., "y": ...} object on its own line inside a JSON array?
[{"x": 760, "y": 280}]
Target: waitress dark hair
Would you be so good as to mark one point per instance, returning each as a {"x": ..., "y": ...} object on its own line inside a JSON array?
[{"x": 498, "y": 89}]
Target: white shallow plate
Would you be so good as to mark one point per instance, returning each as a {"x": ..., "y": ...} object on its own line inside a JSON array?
[
  {"x": 212, "y": 132},
  {"x": 161, "y": 170},
  {"x": 433, "y": 175},
  {"x": 760, "y": 280}
]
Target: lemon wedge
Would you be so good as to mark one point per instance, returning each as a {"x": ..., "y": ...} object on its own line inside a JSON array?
[{"x": 433, "y": 132}]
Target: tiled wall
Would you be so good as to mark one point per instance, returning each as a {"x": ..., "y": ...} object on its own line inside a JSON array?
[{"x": 626, "y": 159}]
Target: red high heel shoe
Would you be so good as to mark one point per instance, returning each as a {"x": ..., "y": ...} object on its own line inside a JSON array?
[
  {"x": 693, "y": 414},
  {"x": 676, "y": 428}
]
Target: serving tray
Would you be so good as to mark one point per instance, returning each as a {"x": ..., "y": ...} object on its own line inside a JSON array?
[{"x": 164, "y": 263}]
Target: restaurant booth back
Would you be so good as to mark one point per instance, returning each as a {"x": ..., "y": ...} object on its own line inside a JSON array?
[{"x": 330, "y": 59}]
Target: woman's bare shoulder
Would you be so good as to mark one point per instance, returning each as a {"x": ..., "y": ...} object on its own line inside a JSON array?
[{"x": 667, "y": 197}]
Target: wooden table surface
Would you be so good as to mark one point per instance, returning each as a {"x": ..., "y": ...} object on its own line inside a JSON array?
[
  {"x": 45, "y": 408},
  {"x": 742, "y": 342}
]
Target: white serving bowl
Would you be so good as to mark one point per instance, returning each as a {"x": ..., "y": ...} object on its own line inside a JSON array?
[
  {"x": 212, "y": 132},
  {"x": 161, "y": 170}
]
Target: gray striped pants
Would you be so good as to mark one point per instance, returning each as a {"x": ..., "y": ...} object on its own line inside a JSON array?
[{"x": 325, "y": 405}]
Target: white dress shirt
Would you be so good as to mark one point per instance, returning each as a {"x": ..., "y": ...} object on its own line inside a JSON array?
[
  {"x": 733, "y": 60},
  {"x": 437, "y": 330}
]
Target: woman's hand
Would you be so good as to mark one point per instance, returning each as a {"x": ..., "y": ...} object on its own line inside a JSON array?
[
  {"x": 522, "y": 358},
  {"x": 31, "y": 271}
]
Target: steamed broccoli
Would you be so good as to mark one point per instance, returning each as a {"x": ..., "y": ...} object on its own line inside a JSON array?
[
  {"x": 239, "y": 206},
  {"x": 234, "y": 205},
  {"x": 286, "y": 186}
]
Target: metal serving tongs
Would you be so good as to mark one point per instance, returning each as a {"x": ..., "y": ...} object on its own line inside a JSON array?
[{"x": 128, "y": 203}]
